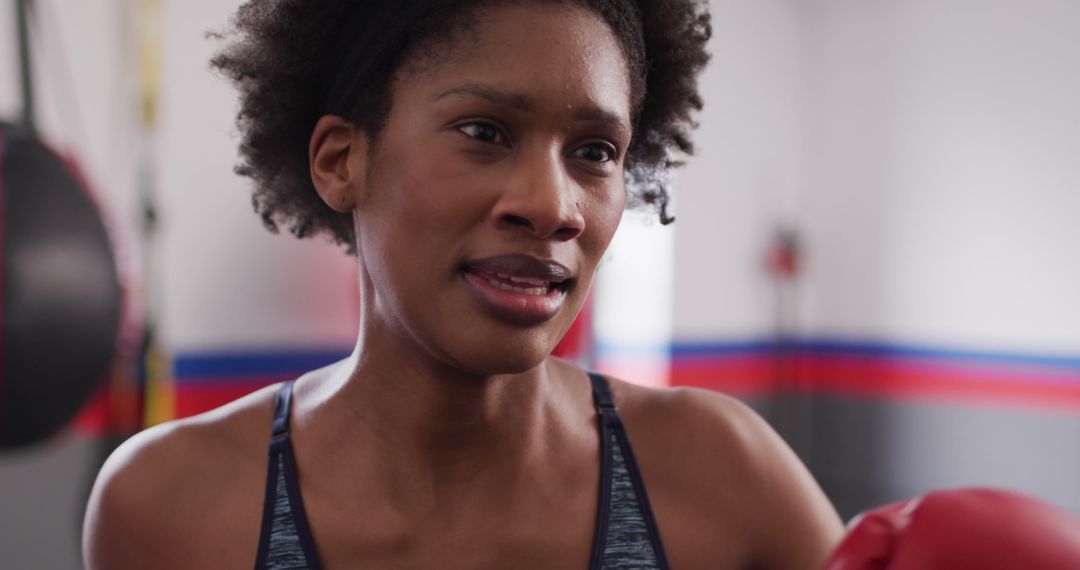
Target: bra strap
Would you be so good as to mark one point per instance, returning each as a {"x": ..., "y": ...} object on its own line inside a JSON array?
[
  {"x": 606, "y": 416},
  {"x": 613, "y": 433},
  {"x": 602, "y": 398},
  {"x": 282, "y": 405}
]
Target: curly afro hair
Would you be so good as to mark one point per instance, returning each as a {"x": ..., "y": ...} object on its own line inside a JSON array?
[{"x": 282, "y": 54}]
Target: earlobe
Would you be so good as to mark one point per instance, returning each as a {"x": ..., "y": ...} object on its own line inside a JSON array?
[{"x": 337, "y": 156}]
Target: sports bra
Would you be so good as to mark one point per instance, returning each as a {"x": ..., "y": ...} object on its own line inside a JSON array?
[{"x": 625, "y": 534}]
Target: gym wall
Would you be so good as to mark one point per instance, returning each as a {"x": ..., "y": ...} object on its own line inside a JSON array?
[{"x": 923, "y": 153}]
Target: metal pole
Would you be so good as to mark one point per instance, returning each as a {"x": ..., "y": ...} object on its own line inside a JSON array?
[{"x": 25, "y": 72}]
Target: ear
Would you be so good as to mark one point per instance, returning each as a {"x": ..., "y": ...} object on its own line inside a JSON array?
[{"x": 337, "y": 155}]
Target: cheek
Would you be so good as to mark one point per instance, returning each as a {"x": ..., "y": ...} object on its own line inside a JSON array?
[
  {"x": 416, "y": 221},
  {"x": 604, "y": 216},
  {"x": 434, "y": 194}
]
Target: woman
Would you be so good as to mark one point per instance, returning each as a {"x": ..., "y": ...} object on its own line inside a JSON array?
[{"x": 475, "y": 156}]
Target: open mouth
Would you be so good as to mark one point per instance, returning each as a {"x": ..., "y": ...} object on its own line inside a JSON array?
[
  {"x": 518, "y": 289},
  {"x": 521, "y": 284}
]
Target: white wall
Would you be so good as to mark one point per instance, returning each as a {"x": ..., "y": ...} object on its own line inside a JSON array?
[
  {"x": 945, "y": 206},
  {"x": 752, "y": 171},
  {"x": 925, "y": 149},
  {"x": 228, "y": 283},
  {"x": 632, "y": 301}
]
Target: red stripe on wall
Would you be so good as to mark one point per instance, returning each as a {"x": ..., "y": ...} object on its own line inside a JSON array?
[
  {"x": 882, "y": 377},
  {"x": 744, "y": 375},
  {"x": 762, "y": 374},
  {"x": 898, "y": 379},
  {"x": 752, "y": 374}
]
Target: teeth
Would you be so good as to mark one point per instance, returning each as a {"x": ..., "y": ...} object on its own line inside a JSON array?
[
  {"x": 526, "y": 290},
  {"x": 530, "y": 281}
]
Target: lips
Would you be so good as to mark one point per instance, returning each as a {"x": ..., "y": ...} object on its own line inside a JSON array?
[{"x": 518, "y": 289}]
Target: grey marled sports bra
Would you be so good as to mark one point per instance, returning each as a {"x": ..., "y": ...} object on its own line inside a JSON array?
[{"x": 625, "y": 538}]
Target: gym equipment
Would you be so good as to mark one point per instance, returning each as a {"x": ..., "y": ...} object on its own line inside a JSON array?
[{"x": 61, "y": 304}]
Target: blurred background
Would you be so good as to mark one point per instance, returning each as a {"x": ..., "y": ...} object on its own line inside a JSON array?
[{"x": 877, "y": 247}]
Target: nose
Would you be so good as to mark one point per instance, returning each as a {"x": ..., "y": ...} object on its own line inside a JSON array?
[{"x": 541, "y": 199}]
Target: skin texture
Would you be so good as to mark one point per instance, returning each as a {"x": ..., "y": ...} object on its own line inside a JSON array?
[{"x": 450, "y": 438}]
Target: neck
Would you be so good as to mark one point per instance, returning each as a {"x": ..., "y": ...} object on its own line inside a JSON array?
[
  {"x": 440, "y": 408},
  {"x": 426, "y": 417}
]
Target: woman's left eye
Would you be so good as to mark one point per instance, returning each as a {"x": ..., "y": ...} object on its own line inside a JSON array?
[
  {"x": 485, "y": 132},
  {"x": 597, "y": 152}
]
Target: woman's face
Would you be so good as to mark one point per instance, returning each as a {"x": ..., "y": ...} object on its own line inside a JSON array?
[{"x": 494, "y": 188}]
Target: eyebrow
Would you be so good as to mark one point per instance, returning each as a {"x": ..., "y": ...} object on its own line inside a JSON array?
[
  {"x": 496, "y": 96},
  {"x": 523, "y": 103}
]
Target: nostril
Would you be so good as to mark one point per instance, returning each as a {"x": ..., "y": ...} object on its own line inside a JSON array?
[
  {"x": 517, "y": 221},
  {"x": 567, "y": 233}
]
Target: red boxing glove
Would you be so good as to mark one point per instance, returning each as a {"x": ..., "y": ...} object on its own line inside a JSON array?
[{"x": 981, "y": 529}]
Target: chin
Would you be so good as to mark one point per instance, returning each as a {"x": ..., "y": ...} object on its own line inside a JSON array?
[{"x": 506, "y": 354}]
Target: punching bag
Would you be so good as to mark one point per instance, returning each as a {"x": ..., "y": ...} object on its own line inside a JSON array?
[{"x": 61, "y": 301}]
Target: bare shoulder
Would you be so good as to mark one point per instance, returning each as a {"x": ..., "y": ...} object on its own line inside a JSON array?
[
  {"x": 695, "y": 414},
  {"x": 719, "y": 474},
  {"x": 180, "y": 484}
]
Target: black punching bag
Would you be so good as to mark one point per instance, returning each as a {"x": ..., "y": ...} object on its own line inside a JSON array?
[{"x": 61, "y": 291}]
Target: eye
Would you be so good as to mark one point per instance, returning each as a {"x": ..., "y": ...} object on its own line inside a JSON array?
[
  {"x": 484, "y": 132},
  {"x": 599, "y": 153}
]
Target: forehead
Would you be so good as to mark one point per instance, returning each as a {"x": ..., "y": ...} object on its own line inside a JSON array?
[{"x": 548, "y": 51}]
